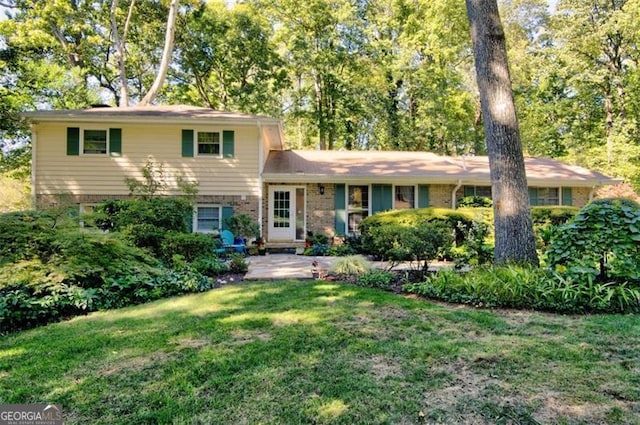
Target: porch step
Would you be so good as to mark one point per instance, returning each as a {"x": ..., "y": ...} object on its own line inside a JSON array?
[{"x": 284, "y": 247}]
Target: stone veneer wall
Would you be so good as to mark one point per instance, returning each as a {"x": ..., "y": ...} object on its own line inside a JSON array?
[
  {"x": 580, "y": 196},
  {"x": 440, "y": 195}
]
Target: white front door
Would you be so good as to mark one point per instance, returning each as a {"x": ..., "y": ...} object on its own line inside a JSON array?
[{"x": 286, "y": 213}]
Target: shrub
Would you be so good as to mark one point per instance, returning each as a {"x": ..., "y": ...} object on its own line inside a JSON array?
[
  {"x": 378, "y": 279},
  {"x": 475, "y": 202},
  {"x": 528, "y": 288},
  {"x": 210, "y": 266},
  {"x": 243, "y": 226},
  {"x": 25, "y": 234},
  {"x": 552, "y": 215},
  {"x": 190, "y": 245},
  {"x": 418, "y": 244},
  {"x": 602, "y": 241},
  {"x": 415, "y": 216},
  {"x": 237, "y": 264},
  {"x": 350, "y": 266},
  {"x": 341, "y": 250},
  {"x": 55, "y": 271},
  {"x": 317, "y": 244},
  {"x": 475, "y": 251},
  {"x": 145, "y": 221}
]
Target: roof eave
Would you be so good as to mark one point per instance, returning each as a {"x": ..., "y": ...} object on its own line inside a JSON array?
[
  {"x": 38, "y": 117},
  {"x": 448, "y": 179}
]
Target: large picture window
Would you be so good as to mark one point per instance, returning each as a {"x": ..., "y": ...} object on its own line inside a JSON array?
[
  {"x": 207, "y": 218},
  {"x": 94, "y": 142},
  {"x": 405, "y": 197},
  {"x": 209, "y": 143},
  {"x": 548, "y": 196},
  {"x": 357, "y": 207}
]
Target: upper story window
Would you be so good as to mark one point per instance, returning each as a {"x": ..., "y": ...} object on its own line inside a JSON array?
[
  {"x": 95, "y": 142},
  {"x": 206, "y": 143},
  {"x": 209, "y": 143}
]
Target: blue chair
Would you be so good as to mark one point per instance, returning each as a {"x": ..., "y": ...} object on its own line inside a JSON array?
[{"x": 230, "y": 244}]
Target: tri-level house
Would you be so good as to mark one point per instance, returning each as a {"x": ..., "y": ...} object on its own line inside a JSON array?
[{"x": 242, "y": 165}]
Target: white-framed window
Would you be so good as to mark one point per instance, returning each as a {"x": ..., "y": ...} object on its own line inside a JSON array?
[
  {"x": 95, "y": 141},
  {"x": 208, "y": 143},
  {"x": 357, "y": 206},
  {"x": 405, "y": 197},
  {"x": 207, "y": 218}
]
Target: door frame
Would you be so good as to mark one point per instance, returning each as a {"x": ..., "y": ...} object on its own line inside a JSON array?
[{"x": 291, "y": 237}]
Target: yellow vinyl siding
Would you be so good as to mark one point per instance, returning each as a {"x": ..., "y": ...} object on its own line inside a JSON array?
[{"x": 57, "y": 172}]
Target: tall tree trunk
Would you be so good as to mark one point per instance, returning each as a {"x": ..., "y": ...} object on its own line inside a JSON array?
[
  {"x": 514, "y": 235},
  {"x": 120, "y": 45},
  {"x": 166, "y": 55}
]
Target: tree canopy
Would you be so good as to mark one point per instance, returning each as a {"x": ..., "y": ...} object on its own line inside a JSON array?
[{"x": 353, "y": 74}]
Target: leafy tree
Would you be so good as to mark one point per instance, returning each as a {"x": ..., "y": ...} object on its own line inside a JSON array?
[
  {"x": 515, "y": 240},
  {"x": 228, "y": 60}
]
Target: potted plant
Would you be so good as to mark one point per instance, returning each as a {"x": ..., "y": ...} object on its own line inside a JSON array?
[{"x": 262, "y": 249}]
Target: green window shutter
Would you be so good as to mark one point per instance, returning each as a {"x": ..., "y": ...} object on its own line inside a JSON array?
[
  {"x": 228, "y": 144},
  {"x": 341, "y": 211},
  {"x": 469, "y": 191},
  {"x": 227, "y": 212},
  {"x": 73, "y": 141},
  {"x": 187, "y": 143},
  {"x": 533, "y": 196},
  {"x": 188, "y": 219},
  {"x": 423, "y": 196},
  {"x": 115, "y": 141},
  {"x": 567, "y": 196},
  {"x": 381, "y": 197}
]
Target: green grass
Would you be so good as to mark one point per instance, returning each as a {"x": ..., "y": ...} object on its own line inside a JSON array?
[{"x": 297, "y": 353}]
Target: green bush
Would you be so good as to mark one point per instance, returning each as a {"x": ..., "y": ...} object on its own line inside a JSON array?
[
  {"x": 552, "y": 215},
  {"x": 378, "y": 279},
  {"x": 476, "y": 249},
  {"x": 419, "y": 243},
  {"x": 475, "y": 202},
  {"x": 237, "y": 264},
  {"x": 145, "y": 221},
  {"x": 190, "y": 245},
  {"x": 25, "y": 234},
  {"x": 210, "y": 266},
  {"x": 352, "y": 265},
  {"x": 602, "y": 241},
  {"x": 52, "y": 269},
  {"x": 528, "y": 288},
  {"x": 456, "y": 219}
]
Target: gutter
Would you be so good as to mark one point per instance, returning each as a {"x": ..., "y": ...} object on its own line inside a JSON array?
[{"x": 453, "y": 194}]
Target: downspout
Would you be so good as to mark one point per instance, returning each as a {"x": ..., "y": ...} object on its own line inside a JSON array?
[
  {"x": 453, "y": 194},
  {"x": 33, "y": 166},
  {"x": 260, "y": 169}
]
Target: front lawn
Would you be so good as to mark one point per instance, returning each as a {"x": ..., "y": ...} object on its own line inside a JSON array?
[{"x": 319, "y": 352}]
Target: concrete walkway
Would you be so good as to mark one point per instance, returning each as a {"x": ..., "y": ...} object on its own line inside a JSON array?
[
  {"x": 291, "y": 266},
  {"x": 284, "y": 266}
]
